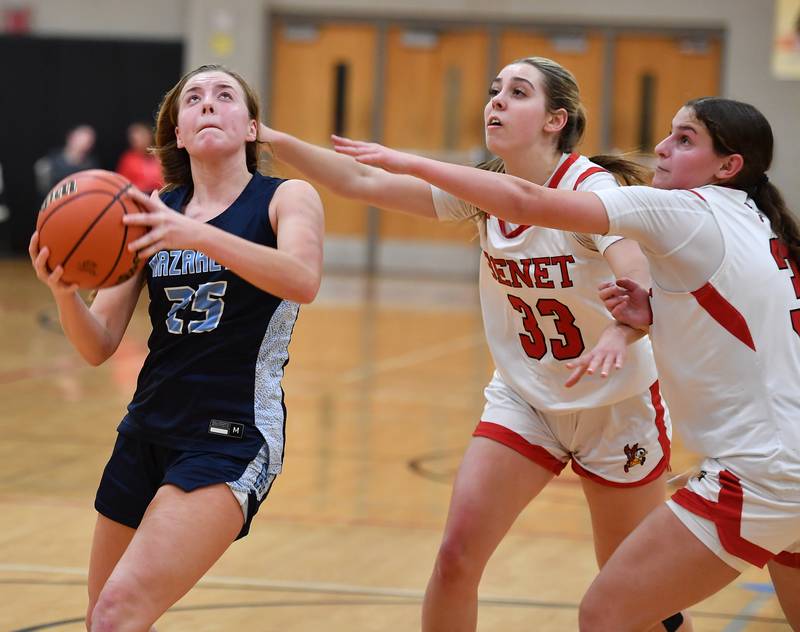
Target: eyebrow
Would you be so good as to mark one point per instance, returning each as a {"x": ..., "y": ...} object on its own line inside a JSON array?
[
  {"x": 687, "y": 128},
  {"x": 496, "y": 79},
  {"x": 216, "y": 86}
]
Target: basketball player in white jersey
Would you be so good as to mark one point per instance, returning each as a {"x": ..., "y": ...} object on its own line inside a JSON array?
[
  {"x": 724, "y": 254},
  {"x": 540, "y": 309}
]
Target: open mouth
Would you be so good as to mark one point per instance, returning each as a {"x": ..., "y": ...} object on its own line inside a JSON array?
[{"x": 493, "y": 122}]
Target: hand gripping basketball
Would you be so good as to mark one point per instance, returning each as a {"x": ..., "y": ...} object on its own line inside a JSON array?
[{"x": 80, "y": 224}]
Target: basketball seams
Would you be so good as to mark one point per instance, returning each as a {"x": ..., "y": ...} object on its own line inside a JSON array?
[
  {"x": 69, "y": 199},
  {"x": 92, "y": 174},
  {"x": 122, "y": 245},
  {"x": 90, "y": 240},
  {"x": 93, "y": 224}
]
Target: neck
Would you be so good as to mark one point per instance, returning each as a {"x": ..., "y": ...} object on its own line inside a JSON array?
[
  {"x": 218, "y": 183},
  {"x": 535, "y": 164}
]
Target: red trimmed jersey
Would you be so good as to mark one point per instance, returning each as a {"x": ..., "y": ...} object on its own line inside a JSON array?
[
  {"x": 728, "y": 350},
  {"x": 538, "y": 289}
]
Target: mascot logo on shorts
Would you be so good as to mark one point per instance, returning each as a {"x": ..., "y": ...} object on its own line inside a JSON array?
[{"x": 635, "y": 456}]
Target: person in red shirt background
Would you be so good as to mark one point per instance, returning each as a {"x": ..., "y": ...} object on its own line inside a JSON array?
[{"x": 138, "y": 165}]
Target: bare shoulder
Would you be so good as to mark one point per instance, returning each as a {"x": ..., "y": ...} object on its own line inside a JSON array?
[
  {"x": 295, "y": 199},
  {"x": 295, "y": 190}
]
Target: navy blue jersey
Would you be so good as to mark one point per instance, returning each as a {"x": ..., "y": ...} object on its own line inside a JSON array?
[{"x": 212, "y": 377}]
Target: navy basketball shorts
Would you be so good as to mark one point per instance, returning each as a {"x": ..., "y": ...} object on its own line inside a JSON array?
[{"x": 137, "y": 468}]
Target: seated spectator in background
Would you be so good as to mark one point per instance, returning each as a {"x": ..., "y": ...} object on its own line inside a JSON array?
[
  {"x": 141, "y": 167},
  {"x": 76, "y": 155}
]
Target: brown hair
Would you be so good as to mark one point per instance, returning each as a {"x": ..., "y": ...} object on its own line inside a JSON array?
[
  {"x": 740, "y": 128},
  {"x": 561, "y": 92},
  {"x": 175, "y": 165}
]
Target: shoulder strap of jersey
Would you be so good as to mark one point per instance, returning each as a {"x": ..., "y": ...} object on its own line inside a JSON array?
[{"x": 589, "y": 172}]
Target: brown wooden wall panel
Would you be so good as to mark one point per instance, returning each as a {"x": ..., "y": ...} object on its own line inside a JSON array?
[
  {"x": 435, "y": 93},
  {"x": 676, "y": 70},
  {"x": 304, "y": 98}
]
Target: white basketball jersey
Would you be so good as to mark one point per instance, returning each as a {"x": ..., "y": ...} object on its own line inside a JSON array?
[
  {"x": 538, "y": 289},
  {"x": 728, "y": 353}
]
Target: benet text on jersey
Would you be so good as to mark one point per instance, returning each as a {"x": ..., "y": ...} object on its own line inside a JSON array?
[{"x": 538, "y": 272}]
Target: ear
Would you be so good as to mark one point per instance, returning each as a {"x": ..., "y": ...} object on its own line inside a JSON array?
[
  {"x": 730, "y": 167},
  {"x": 178, "y": 138},
  {"x": 252, "y": 131},
  {"x": 556, "y": 120}
]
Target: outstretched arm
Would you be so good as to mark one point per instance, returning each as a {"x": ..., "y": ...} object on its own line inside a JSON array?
[
  {"x": 508, "y": 197},
  {"x": 348, "y": 178}
]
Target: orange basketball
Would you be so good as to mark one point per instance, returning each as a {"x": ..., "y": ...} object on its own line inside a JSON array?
[{"x": 80, "y": 221}]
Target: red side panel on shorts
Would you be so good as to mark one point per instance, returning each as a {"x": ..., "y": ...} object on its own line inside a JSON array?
[
  {"x": 792, "y": 560},
  {"x": 663, "y": 440},
  {"x": 726, "y": 514},
  {"x": 517, "y": 442},
  {"x": 724, "y": 313}
]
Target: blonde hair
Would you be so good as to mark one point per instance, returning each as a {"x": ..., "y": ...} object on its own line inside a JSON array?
[{"x": 561, "y": 92}]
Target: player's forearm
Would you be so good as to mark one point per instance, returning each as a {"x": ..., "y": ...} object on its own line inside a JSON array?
[
  {"x": 348, "y": 178},
  {"x": 626, "y": 332},
  {"x": 83, "y": 329},
  {"x": 341, "y": 174},
  {"x": 280, "y": 273},
  {"x": 511, "y": 198}
]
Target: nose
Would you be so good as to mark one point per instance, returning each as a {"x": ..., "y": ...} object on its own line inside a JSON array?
[
  {"x": 208, "y": 105},
  {"x": 661, "y": 149},
  {"x": 497, "y": 102}
]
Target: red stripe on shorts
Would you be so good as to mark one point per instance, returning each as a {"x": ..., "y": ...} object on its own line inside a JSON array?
[
  {"x": 663, "y": 440},
  {"x": 518, "y": 443},
  {"x": 726, "y": 514}
]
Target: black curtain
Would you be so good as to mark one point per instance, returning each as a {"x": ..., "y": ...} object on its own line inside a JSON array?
[{"x": 51, "y": 85}]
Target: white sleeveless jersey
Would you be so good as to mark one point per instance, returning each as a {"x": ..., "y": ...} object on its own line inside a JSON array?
[
  {"x": 728, "y": 353},
  {"x": 538, "y": 289}
]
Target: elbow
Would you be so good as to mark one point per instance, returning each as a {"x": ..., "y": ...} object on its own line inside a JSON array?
[
  {"x": 308, "y": 294},
  {"x": 95, "y": 358},
  {"x": 306, "y": 291},
  {"x": 98, "y": 355}
]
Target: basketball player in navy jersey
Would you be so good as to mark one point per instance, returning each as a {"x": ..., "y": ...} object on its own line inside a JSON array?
[{"x": 230, "y": 254}]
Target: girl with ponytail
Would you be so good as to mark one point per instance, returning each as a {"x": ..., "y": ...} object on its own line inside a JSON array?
[
  {"x": 724, "y": 319},
  {"x": 540, "y": 307}
]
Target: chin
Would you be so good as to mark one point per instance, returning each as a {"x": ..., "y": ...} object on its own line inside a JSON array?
[
  {"x": 209, "y": 148},
  {"x": 662, "y": 181}
]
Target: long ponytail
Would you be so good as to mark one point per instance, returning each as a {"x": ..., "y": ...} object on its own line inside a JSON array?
[{"x": 784, "y": 224}]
